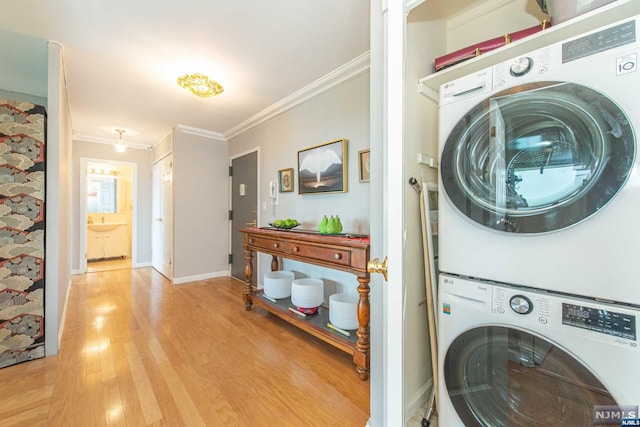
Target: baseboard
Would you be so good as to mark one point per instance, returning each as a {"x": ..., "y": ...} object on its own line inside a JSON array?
[
  {"x": 418, "y": 400},
  {"x": 141, "y": 265},
  {"x": 63, "y": 318},
  {"x": 76, "y": 272},
  {"x": 187, "y": 279}
]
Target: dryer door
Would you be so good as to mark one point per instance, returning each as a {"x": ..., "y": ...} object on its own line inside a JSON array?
[
  {"x": 537, "y": 158},
  {"x": 498, "y": 376}
]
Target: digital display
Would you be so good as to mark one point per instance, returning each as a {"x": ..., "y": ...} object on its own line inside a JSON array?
[
  {"x": 598, "y": 320},
  {"x": 601, "y": 41}
]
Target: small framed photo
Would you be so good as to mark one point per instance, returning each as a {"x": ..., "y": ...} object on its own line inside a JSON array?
[
  {"x": 285, "y": 180},
  {"x": 323, "y": 168},
  {"x": 364, "y": 172}
]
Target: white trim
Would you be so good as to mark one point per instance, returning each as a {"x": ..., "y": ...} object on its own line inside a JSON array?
[
  {"x": 206, "y": 276},
  {"x": 418, "y": 400},
  {"x": 351, "y": 69},
  {"x": 142, "y": 265},
  {"x": 64, "y": 315},
  {"x": 99, "y": 140},
  {"x": 475, "y": 13},
  {"x": 346, "y": 72},
  {"x": 202, "y": 132},
  {"x": 412, "y": 4}
]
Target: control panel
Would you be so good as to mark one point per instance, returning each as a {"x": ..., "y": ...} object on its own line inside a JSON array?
[{"x": 600, "y": 320}]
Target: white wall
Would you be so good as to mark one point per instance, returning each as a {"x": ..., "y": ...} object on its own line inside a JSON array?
[
  {"x": 200, "y": 207},
  {"x": 341, "y": 112},
  {"x": 142, "y": 158},
  {"x": 58, "y": 200}
]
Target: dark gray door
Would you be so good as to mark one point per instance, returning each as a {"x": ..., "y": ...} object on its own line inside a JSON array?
[{"x": 244, "y": 204}]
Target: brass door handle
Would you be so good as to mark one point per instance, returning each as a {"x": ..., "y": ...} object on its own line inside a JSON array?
[
  {"x": 253, "y": 223},
  {"x": 374, "y": 266}
]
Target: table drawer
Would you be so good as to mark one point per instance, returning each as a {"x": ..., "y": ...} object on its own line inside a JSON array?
[
  {"x": 268, "y": 244},
  {"x": 322, "y": 253}
]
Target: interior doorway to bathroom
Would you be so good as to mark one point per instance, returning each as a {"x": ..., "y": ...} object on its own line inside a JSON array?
[{"x": 107, "y": 209}]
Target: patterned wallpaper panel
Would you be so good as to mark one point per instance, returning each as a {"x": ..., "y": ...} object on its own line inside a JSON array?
[{"x": 22, "y": 226}]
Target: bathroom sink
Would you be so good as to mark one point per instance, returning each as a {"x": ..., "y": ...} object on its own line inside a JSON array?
[{"x": 104, "y": 226}]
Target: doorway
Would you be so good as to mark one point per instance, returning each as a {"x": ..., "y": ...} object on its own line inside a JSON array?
[
  {"x": 244, "y": 206},
  {"x": 162, "y": 225},
  {"x": 107, "y": 215}
]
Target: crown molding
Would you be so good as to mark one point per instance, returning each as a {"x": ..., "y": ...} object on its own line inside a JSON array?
[
  {"x": 98, "y": 140},
  {"x": 348, "y": 71},
  {"x": 202, "y": 132}
]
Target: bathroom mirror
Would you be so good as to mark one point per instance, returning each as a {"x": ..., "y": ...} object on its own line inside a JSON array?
[{"x": 102, "y": 194}]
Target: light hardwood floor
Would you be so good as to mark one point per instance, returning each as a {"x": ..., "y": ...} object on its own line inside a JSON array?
[{"x": 138, "y": 351}]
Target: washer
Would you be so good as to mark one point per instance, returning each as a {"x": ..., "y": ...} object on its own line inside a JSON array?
[
  {"x": 514, "y": 356},
  {"x": 540, "y": 176}
]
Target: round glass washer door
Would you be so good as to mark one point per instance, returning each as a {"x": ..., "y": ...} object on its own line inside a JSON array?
[
  {"x": 499, "y": 376},
  {"x": 538, "y": 158}
]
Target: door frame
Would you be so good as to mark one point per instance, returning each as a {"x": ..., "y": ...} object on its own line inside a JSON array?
[
  {"x": 169, "y": 275},
  {"x": 387, "y": 100},
  {"x": 82, "y": 229},
  {"x": 258, "y": 207}
]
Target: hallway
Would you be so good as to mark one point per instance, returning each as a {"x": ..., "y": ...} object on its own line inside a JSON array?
[{"x": 138, "y": 351}]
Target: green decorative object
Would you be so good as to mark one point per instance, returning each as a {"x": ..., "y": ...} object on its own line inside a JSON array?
[
  {"x": 338, "y": 225},
  {"x": 332, "y": 226},
  {"x": 323, "y": 225}
]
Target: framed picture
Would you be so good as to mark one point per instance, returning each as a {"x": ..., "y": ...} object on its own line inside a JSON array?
[
  {"x": 323, "y": 168},
  {"x": 285, "y": 179},
  {"x": 363, "y": 165}
]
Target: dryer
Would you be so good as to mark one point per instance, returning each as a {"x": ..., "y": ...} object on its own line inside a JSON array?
[
  {"x": 515, "y": 356},
  {"x": 539, "y": 170}
]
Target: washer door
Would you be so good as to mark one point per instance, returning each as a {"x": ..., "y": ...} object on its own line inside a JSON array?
[
  {"x": 538, "y": 158},
  {"x": 498, "y": 376}
]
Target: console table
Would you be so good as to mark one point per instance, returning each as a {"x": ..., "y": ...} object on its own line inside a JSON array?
[{"x": 340, "y": 252}]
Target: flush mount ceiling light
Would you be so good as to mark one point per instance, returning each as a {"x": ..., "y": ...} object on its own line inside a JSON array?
[
  {"x": 119, "y": 145},
  {"x": 200, "y": 85}
]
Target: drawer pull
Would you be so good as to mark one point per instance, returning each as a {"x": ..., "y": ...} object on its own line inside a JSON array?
[
  {"x": 275, "y": 245},
  {"x": 337, "y": 256},
  {"x": 296, "y": 249},
  {"x": 250, "y": 240}
]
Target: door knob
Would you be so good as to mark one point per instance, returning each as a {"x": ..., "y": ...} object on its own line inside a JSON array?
[
  {"x": 253, "y": 223},
  {"x": 374, "y": 266}
]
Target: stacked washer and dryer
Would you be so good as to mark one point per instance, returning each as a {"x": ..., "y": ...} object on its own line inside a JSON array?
[{"x": 539, "y": 236}]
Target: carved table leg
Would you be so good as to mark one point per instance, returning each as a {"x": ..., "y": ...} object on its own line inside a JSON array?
[
  {"x": 248, "y": 274},
  {"x": 361, "y": 358},
  {"x": 274, "y": 263}
]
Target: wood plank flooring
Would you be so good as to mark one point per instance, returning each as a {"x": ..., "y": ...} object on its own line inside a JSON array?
[{"x": 138, "y": 351}]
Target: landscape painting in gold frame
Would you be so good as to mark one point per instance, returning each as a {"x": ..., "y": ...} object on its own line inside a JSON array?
[{"x": 323, "y": 168}]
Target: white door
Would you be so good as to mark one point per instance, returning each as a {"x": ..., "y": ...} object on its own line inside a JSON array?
[
  {"x": 162, "y": 225},
  {"x": 387, "y": 212}
]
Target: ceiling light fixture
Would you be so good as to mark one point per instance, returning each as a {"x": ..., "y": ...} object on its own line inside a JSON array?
[
  {"x": 119, "y": 145},
  {"x": 200, "y": 85}
]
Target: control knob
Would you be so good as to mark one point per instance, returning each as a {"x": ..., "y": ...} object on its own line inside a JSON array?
[
  {"x": 521, "y": 66},
  {"x": 521, "y": 304}
]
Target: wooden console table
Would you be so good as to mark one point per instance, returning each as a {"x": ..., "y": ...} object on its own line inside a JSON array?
[{"x": 343, "y": 252}]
